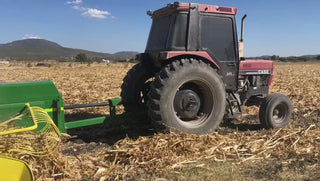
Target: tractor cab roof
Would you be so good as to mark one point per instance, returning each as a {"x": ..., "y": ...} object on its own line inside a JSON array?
[{"x": 179, "y": 6}]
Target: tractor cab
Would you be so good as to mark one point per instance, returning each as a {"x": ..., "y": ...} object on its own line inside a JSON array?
[{"x": 203, "y": 31}]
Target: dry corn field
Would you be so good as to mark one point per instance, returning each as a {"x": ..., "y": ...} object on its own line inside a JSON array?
[{"x": 239, "y": 150}]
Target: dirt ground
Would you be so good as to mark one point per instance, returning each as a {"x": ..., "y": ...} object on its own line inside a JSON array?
[{"x": 131, "y": 150}]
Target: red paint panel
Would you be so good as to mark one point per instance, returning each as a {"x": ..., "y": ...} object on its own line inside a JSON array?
[
  {"x": 171, "y": 9},
  {"x": 256, "y": 65},
  {"x": 195, "y": 53},
  {"x": 217, "y": 9},
  {"x": 179, "y": 6},
  {"x": 183, "y": 7},
  {"x": 270, "y": 80}
]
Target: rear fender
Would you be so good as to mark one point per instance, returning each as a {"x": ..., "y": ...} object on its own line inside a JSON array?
[{"x": 202, "y": 55}]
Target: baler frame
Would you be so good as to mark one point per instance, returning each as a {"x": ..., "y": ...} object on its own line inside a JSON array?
[{"x": 44, "y": 94}]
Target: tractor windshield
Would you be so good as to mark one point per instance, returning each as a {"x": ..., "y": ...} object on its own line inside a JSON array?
[
  {"x": 168, "y": 33},
  {"x": 159, "y": 33}
]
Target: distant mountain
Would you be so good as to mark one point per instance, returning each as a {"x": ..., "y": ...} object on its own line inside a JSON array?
[{"x": 40, "y": 49}]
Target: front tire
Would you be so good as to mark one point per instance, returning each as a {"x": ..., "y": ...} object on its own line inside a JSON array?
[
  {"x": 187, "y": 95},
  {"x": 275, "y": 111}
]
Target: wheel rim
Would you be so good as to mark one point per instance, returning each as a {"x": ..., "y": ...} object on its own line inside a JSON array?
[
  {"x": 193, "y": 103},
  {"x": 279, "y": 113}
]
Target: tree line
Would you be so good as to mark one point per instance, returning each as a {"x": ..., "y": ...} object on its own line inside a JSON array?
[{"x": 294, "y": 58}]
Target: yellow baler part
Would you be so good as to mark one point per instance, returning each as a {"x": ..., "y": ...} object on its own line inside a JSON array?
[{"x": 14, "y": 170}]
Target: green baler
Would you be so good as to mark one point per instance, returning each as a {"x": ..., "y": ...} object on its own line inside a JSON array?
[{"x": 14, "y": 96}]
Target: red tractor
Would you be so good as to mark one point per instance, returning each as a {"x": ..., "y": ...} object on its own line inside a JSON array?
[{"x": 193, "y": 73}]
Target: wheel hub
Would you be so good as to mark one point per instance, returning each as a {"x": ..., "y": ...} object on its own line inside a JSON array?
[
  {"x": 279, "y": 113},
  {"x": 187, "y": 104}
]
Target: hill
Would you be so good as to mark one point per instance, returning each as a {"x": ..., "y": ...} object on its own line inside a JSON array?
[{"x": 40, "y": 49}]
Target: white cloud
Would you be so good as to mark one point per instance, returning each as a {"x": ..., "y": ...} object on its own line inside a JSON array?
[
  {"x": 31, "y": 36},
  {"x": 89, "y": 12},
  {"x": 95, "y": 13},
  {"x": 74, "y": 2},
  {"x": 80, "y": 8}
]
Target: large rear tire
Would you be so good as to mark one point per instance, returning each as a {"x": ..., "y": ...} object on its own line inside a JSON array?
[
  {"x": 275, "y": 111},
  {"x": 135, "y": 87},
  {"x": 187, "y": 95}
]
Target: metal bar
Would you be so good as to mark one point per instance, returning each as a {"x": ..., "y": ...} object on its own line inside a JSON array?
[
  {"x": 102, "y": 120},
  {"x": 193, "y": 28},
  {"x": 86, "y": 122},
  {"x": 112, "y": 103},
  {"x": 76, "y": 106}
]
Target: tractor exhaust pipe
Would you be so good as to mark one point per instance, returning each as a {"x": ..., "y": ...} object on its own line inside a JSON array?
[
  {"x": 241, "y": 40},
  {"x": 242, "y": 26}
]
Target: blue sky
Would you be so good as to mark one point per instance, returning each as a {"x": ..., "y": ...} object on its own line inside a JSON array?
[{"x": 282, "y": 27}]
